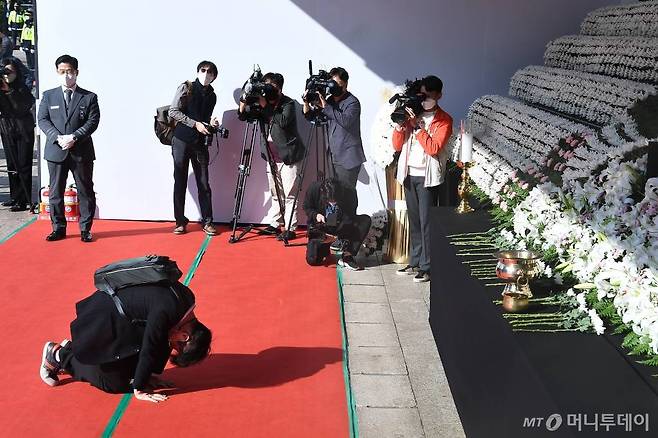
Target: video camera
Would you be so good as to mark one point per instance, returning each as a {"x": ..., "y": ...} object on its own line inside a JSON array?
[
  {"x": 319, "y": 84},
  {"x": 411, "y": 98},
  {"x": 220, "y": 131},
  {"x": 252, "y": 91}
]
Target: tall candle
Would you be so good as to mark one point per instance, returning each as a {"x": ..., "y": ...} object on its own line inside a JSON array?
[{"x": 466, "y": 152}]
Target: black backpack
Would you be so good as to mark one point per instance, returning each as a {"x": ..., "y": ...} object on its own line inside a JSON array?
[
  {"x": 164, "y": 125},
  {"x": 131, "y": 272}
]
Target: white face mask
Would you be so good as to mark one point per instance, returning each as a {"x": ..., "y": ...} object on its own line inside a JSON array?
[
  {"x": 11, "y": 77},
  {"x": 205, "y": 78},
  {"x": 68, "y": 80},
  {"x": 428, "y": 104}
]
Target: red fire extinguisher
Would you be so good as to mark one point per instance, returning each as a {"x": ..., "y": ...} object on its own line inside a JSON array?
[
  {"x": 71, "y": 206},
  {"x": 44, "y": 205}
]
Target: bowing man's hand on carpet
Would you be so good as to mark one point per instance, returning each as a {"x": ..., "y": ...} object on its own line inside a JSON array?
[{"x": 146, "y": 396}]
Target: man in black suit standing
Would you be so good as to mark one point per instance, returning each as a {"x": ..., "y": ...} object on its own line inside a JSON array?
[{"x": 68, "y": 115}]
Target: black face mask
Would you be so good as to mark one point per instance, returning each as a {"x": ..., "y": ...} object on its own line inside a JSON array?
[{"x": 28, "y": 23}]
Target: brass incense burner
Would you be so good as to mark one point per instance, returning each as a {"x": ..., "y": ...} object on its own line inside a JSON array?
[{"x": 517, "y": 268}]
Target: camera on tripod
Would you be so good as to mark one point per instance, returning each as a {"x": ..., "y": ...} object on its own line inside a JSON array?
[
  {"x": 214, "y": 130},
  {"x": 319, "y": 84},
  {"x": 252, "y": 91},
  {"x": 411, "y": 98}
]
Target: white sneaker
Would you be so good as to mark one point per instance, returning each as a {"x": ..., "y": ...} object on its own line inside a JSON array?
[{"x": 349, "y": 263}]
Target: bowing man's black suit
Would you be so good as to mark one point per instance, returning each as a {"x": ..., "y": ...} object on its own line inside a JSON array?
[
  {"x": 108, "y": 350},
  {"x": 81, "y": 119}
]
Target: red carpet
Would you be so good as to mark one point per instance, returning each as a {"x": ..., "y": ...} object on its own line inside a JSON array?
[{"x": 276, "y": 367}]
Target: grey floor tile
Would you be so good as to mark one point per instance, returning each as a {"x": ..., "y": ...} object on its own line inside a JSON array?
[
  {"x": 377, "y": 360},
  {"x": 368, "y": 312},
  {"x": 370, "y": 276},
  {"x": 372, "y": 335},
  {"x": 386, "y": 422},
  {"x": 384, "y": 391},
  {"x": 353, "y": 293}
]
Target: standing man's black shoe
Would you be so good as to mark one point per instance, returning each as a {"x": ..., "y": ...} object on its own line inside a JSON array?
[
  {"x": 85, "y": 236},
  {"x": 9, "y": 203},
  {"x": 56, "y": 235},
  {"x": 18, "y": 207}
]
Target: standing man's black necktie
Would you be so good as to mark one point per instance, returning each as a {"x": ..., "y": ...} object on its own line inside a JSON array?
[{"x": 67, "y": 99}]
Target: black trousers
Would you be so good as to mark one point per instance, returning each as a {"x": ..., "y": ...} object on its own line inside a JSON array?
[
  {"x": 347, "y": 176},
  {"x": 83, "y": 172},
  {"x": 29, "y": 57},
  {"x": 354, "y": 232},
  {"x": 18, "y": 142},
  {"x": 113, "y": 377},
  {"x": 184, "y": 153},
  {"x": 419, "y": 201}
]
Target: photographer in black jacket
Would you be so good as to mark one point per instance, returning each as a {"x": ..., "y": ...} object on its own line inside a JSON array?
[
  {"x": 17, "y": 132},
  {"x": 330, "y": 208},
  {"x": 192, "y": 109},
  {"x": 287, "y": 149}
]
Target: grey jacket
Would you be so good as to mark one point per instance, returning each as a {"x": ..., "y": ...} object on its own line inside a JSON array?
[
  {"x": 177, "y": 105},
  {"x": 82, "y": 120},
  {"x": 345, "y": 132}
]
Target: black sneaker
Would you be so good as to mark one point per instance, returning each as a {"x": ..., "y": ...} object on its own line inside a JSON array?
[
  {"x": 422, "y": 276},
  {"x": 50, "y": 366},
  {"x": 349, "y": 263},
  {"x": 407, "y": 270},
  {"x": 287, "y": 235},
  {"x": 269, "y": 231},
  {"x": 338, "y": 245}
]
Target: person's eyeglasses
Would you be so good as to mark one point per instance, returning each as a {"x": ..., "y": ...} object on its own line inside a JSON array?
[{"x": 205, "y": 70}]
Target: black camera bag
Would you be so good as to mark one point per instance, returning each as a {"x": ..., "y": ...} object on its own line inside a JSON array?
[
  {"x": 163, "y": 125},
  {"x": 132, "y": 272}
]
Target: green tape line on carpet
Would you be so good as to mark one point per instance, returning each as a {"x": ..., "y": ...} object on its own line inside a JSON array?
[
  {"x": 13, "y": 233},
  {"x": 197, "y": 261},
  {"x": 116, "y": 417},
  {"x": 351, "y": 405},
  {"x": 125, "y": 400}
]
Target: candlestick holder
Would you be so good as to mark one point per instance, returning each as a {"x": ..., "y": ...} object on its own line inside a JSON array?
[{"x": 464, "y": 190}]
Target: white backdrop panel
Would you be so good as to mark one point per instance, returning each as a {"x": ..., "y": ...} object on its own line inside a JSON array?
[{"x": 133, "y": 54}]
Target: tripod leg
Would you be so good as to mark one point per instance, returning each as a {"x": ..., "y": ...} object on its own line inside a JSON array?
[
  {"x": 325, "y": 134},
  {"x": 243, "y": 173}
]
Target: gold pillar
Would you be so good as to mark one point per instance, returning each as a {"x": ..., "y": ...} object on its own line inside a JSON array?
[{"x": 398, "y": 230}]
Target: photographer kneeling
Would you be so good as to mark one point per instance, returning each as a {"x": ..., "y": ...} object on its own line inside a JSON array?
[
  {"x": 287, "y": 149},
  {"x": 121, "y": 353},
  {"x": 330, "y": 207},
  {"x": 192, "y": 109}
]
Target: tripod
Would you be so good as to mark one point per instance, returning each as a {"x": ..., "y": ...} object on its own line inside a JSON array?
[
  {"x": 244, "y": 168},
  {"x": 324, "y": 166}
]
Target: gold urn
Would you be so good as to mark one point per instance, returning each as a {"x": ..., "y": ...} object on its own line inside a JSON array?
[{"x": 517, "y": 268}]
